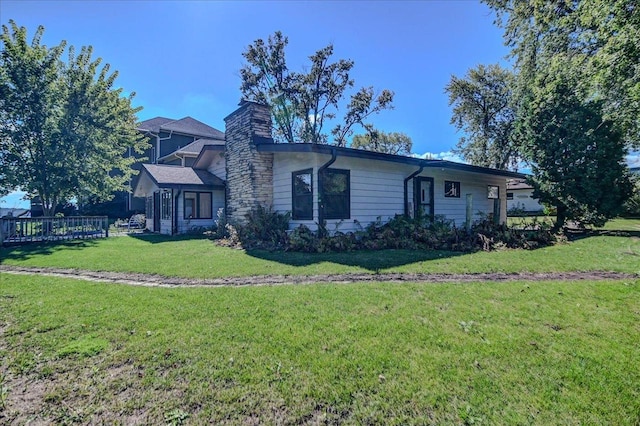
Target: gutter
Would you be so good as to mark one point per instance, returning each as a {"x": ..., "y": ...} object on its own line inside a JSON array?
[
  {"x": 334, "y": 155},
  {"x": 406, "y": 188}
]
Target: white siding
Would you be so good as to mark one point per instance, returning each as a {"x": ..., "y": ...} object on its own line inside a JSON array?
[
  {"x": 146, "y": 188},
  {"x": 217, "y": 167},
  {"x": 184, "y": 225},
  {"x": 377, "y": 190},
  {"x": 470, "y": 183},
  {"x": 523, "y": 199},
  {"x": 283, "y": 165}
]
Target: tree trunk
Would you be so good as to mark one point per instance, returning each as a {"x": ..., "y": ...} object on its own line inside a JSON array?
[{"x": 561, "y": 218}]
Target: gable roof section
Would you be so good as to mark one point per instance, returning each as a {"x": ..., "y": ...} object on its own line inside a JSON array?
[
  {"x": 191, "y": 150},
  {"x": 165, "y": 176},
  {"x": 186, "y": 125},
  {"x": 191, "y": 126},
  {"x": 516, "y": 184},
  {"x": 196, "y": 146},
  {"x": 153, "y": 124}
]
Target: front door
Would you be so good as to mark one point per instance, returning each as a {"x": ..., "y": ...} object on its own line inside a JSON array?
[
  {"x": 156, "y": 212},
  {"x": 423, "y": 196}
]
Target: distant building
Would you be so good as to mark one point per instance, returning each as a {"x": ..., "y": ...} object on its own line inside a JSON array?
[
  {"x": 14, "y": 212},
  {"x": 520, "y": 197}
]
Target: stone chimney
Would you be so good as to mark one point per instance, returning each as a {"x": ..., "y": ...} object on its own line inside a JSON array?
[{"x": 249, "y": 172}]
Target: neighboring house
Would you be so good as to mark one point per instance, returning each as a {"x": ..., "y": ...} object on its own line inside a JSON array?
[
  {"x": 347, "y": 188},
  {"x": 171, "y": 142},
  {"x": 14, "y": 212},
  {"x": 520, "y": 197}
]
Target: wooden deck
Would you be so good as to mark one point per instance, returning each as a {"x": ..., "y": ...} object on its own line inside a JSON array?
[{"x": 39, "y": 229}]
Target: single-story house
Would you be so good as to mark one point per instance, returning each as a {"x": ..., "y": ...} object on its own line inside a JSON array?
[
  {"x": 520, "y": 197},
  {"x": 343, "y": 187}
]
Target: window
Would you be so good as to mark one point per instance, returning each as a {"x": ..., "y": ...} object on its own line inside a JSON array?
[
  {"x": 197, "y": 205},
  {"x": 493, "y": 192},
  {"x": 451, "y": 189},
  {"x": 148, "y": 207},
  {"x": 336, "y": 197},
  {"x": 165, "y": 206},
  {"x": 509, "y": 195},
  {"x": 302, "y": 195}
]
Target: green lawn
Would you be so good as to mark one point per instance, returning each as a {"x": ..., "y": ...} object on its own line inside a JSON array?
[
  {"x": 201, "y": 258},
  {"x": 490, "y": 353}
]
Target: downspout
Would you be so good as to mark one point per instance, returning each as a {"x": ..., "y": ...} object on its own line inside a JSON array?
[
  {"x": 406, "y": 189},
  {"x": 158, "y": 139},
  {"x": 157, "y": 147},
  {"x": 334, "y": 155},
  {"x": 175, "y": 212}
]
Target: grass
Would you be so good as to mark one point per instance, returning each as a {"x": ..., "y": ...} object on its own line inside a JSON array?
[
  {"x": 200, "y": 258},
  {"x": 618, "y": 224},
  {"x": 491, "y": 353}
]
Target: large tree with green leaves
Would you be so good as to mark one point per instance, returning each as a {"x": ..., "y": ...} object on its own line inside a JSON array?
[
  {"x": 483, "y": 109},
  {"x": 577, "y": 98},
  {"x": 604, "y": 33},
  {"x": 304, "y": 103},
  {"x": 389, "y": 143},
  {"x": 64, "y": 127},
  {"x": 577, "y": 154}
]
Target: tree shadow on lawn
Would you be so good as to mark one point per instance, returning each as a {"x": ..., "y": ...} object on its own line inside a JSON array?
[
  {"x": 580, "y": 234},
  {"x": 372, "y": 260},
  {"x": 28, "y": 250},
  {"x": 160, "y": 238}
]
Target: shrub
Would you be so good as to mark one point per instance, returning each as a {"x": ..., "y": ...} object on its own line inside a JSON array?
[
  {"x": 266, "y": 229},
  {"x": 631, "y": 207},
  {"x": 517, "y": 211}
]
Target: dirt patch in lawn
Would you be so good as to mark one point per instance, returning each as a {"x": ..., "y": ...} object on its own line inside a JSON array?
[{"x": 162, "y": 281}]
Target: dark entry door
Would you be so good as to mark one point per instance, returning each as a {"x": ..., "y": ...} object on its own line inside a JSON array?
[
  {"x": 423, "y": 196},
  {"x": 156, "y": 212}
]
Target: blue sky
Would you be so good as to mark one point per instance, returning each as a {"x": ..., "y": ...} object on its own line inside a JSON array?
[{"x": 183, "y": 58}]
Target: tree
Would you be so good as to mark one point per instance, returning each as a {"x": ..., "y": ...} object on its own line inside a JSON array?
[
  {"x": 302, "y": 103},
  {"x": 577, "y": 98},
  {"x": 603, "y": 32},
  {"x": 388, "y": 143},
  {"x": 577, "y": 155},
  {"x": 64, "y": 128},
  {"x": 483, "y": 110}
]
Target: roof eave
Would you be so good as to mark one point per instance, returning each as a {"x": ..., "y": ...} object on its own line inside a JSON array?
[{"x": 372, "y": 155}]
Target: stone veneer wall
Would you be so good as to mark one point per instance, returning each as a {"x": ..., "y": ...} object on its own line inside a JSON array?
[{"x": 249, "y": 172}]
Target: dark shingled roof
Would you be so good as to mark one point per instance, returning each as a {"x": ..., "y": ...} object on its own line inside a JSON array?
[
  {"x": 518, "y": 184},
  {"x": 191, "y": 126},
  {"x": 176, "y": 176},
  {"x": 186, "y": 125},
  {"x": 153, "y": 124},
  {"x": 196, "y": 146}
]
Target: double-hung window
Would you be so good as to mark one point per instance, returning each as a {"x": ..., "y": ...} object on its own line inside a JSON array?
[
  {"x": 336, "y": 194},
  {"x": 165, "y": 206},
  {"x": 302, "y": 195}
]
